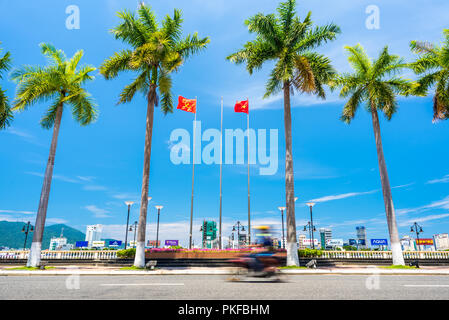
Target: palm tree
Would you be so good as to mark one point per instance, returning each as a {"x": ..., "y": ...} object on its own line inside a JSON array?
[
  {"x": 376, "y": 83},
  {"x": 288, "y": 41},
  {"x": 156, "y": 52},
  {"x": 61, "y": 83},
  {"x": 433, "y": 67},
  {"x": 6, "y": 115}
]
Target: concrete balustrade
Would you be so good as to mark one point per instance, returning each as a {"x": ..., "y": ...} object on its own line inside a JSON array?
[
  {"x": 110, "y": 255},
  {"x": 61, "y": 255}
]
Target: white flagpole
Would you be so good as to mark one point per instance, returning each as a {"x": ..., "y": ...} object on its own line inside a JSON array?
[
  {"x": 220, "y": 243},
  {"x": 249, "y": 215},
  {"x": 193, "y": 174}
]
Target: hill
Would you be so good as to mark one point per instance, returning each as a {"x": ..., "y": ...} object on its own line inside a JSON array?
[{"x": 11, "y": 234}]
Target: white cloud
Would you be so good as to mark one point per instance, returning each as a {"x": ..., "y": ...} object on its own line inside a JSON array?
[
  {"x": 423, "y": 219},
  {"x": 17, "y": 212},
  {"x": 441, "y": 204},
  {"x": 98, "y": 212},
  {"x": 342, "y": 196},
  {"x": 444, "y": 179}
]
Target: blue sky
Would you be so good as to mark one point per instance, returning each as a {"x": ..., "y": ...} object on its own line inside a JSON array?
[{"x": 99, "y": 167}]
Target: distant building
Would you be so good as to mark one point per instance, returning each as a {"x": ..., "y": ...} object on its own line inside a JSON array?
[
  {"x": 60, "y": 243},
  {"x": 441, "y": 241},
  {"x": 325, "y": 235},
  {"x": 361, "y": 237},
  {"x": 301, "y": 241},
  {"x": 408, "y": 243},
  {"x": 93, "y": 233}
]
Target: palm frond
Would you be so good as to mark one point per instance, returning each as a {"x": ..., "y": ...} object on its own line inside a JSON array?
[
  {"x": 358, "y": 59},
  {"x": 119, "y": 62},
  {"x": 6, "y": 114}
]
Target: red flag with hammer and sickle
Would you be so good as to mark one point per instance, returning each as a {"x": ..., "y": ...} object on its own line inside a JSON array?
[
  {"x": 188, "y": 105},
  {"x": 242, "y": 106}
]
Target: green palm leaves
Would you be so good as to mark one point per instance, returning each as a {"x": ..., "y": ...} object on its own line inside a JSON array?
[
  {"x": 289, "y": 41},
  {"x": 156, "y": 52},
  {"x": 373, "y": 81},
  {"x": 60, "y": 82},
  {"x": 6, "y": 115},
  {"x": 432, "y": 66}
]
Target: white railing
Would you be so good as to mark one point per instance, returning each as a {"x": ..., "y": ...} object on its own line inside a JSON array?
[
  {"x": 110, "y": 255},
  {"x": 438, "y": 255},
  {"x": 61, "y": 255}
]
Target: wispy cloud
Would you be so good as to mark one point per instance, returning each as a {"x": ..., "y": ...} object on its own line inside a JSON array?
[
  {"x": 423, "y": 219},
  {"x": 342, "y": 196},
  {"x": 441, "y": 204},
  {"x": 17, "y": 212},
  {"x": 55, "y": 176},
  {"x": 444, "y": 179},
  {"x": 98, "y": 212}
]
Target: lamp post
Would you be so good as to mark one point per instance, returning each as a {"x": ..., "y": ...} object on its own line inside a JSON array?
[
  {"x": 418, "y": 229},
  {"x": 28, "y": 229},
  {"x": 283, "y": 235},
  {"x": 157, "y": 232},
  {"x": 311, "y": 204},
  {"x": 134, "y": 227},
  {"x": 240, "y": 227},
  {"x": 311, "y": 230},
  {"x": 129, "y": 204}
]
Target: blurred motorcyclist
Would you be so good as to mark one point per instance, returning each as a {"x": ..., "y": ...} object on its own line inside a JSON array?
[{"x": 264, "y": 243}]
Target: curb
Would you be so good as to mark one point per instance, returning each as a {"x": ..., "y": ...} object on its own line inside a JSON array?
[{"x": 218, "y": 272}]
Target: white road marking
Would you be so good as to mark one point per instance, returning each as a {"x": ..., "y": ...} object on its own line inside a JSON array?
[
  {"x": 427, "y": 285},
  {"x": 142, "y": 284}
]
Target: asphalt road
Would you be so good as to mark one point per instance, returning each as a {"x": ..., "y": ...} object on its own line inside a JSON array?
[{"x": 203, "y": 287}]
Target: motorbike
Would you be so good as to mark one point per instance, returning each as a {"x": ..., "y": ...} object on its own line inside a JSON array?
[{"x": 266, "y": 266}]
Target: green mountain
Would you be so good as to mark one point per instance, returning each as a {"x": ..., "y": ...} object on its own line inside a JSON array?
[{"x": 11, "y": 234}]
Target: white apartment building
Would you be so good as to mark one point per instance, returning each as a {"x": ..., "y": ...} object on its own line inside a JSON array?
[
  {"x": 441, "y": 241},
  {"x": 93, "y": 233}
]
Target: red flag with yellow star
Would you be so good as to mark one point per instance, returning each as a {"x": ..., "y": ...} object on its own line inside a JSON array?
[
  {"x": 188, "y": 105},
  {"x": 242, "y": 106}
]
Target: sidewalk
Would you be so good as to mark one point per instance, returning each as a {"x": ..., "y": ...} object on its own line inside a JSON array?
[{"x": 341, "y": 270}]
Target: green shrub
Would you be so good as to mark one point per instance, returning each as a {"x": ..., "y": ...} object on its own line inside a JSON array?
[
  {"x": 310, "y": 253},
  {"x": 126, "y": 254}
]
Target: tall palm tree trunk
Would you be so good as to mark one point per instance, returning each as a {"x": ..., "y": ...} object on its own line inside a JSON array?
[
  {"x": 139, "y": 260},
  {"x": 292, "y": 247},
  {"x": 396, "y": 250},
  {"x": 34, "y": 258}
]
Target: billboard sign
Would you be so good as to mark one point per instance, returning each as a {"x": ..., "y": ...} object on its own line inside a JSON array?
[
  {"x": 379, "y": 242},
  {"x": 362, "y": 242},
  {"x": 308, "y": 242},
  {"x": 152, "y": 243},
  {"x": 334, "y": 242},
  {"x": 352, "y": 242},
  {"x": 97, "y": 244},
  {"x": 82, "y": 244},
  {"x": 115, "y": 243},
  {"x": 172, "y": 242},
  {"x": 424, "y": 242}
]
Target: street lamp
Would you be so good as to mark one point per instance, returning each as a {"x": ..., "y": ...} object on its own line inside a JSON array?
[
  {"x": 418, "y": 229},
  {"x": 134, "y": 227},
  {"x": 157, "y": 232},
  {"x": 240, "y": 227},
  {"x": 129, "y": 204},
  {"x": 282, "y": 215},
  {"x": 27, "y": 230},
  {"x": 311, "y": 204},
  {"x": 311, "y": 229}
]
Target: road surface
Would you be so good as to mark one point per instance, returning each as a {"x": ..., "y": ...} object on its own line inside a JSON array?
[{"x": 203, "y": 287}]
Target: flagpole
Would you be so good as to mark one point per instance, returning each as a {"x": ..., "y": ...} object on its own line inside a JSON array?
[
  {"x": 193, "y": 174},
  {"x": 249, "y": 215},
  {"x": 220, "y": 244}
]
